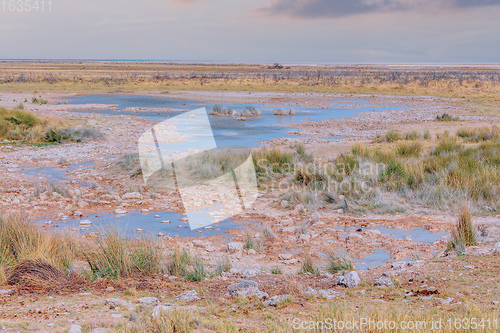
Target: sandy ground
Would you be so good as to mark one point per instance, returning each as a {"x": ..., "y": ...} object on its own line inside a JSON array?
[{"x": 323, "y": 227}]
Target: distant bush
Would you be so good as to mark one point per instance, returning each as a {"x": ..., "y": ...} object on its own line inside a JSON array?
[
  {"x": 220, "y": 110},
  {"x": 250, "y": 111},
  {"x": 40, "y": 101},
  {"x": 283, "y": 112},
  {"x": 447, "y": 117},
  {"x": 74, "y": 135}
]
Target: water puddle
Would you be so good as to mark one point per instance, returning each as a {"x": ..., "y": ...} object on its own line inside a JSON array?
[
  {"x": 154, "y": 225},
  {"x": 55, "y": 174},
  {"x": 418, "y": 235},
  {"x": 378, "y": 258},
  {"x": 227, "y": 130}
]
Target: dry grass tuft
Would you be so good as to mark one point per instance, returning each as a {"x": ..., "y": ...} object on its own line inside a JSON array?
[{"x": 35, "y": 271}]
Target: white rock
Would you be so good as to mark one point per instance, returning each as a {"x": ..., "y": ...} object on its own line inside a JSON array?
[
  {"x": 304, "y": 238},
  {"x": 110, "y": 289},
  {"x": 448, "y": 301},
  {"x": 75, "y": 329},
  {"x": 132, "y": 196},
  {"x": 285, "y": 256},
  {"x": 161, "y": 309},
  {"x": 147, "y": 300},
  {"x": 275, "y": 300},
  {"x": 85, "y": 222},
  {"x": 120, "y": 211},
  {"x": 247, "y": 273},
  {"x": 234, "y": 246},
  {"x": 117, "y": 302},
  {"x": 5, "y": 292},
  {"x": 384, "y": 281},
  {"x": 372, "y": 232},
  {"x": 166, "y": 222},
  {"x": 189, "y": 296},
  {"x": 246, "y": 289},
  {"x": 327, "y": 293},
  {"x": 350, "y": 280}
]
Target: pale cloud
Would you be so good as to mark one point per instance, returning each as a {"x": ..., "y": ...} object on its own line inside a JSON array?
[{"x": 340, "y": 8}]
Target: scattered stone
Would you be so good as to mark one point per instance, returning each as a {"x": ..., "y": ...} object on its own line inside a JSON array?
[
  {"x": 110, "y": 289},
  {"x": 189, "y": 296},
  {"x": 310, "y": 291},
  {"x": 234, "y": 246},
  {"x": 161, "y": 234},
  {"x": 157, "y": 216},
  {"x": 478, "y": 251},
  {"x": 275, "y": 300},
  {"x": 372, "y": 232},
  {"x": 246, "y": 289},
  {"x": 117, "y": 302},
  {"x": 100, "y": 330},
  {"x": 252, "y": 251},
  {"x": 140, "y": 230},
  {"x": 5, "y": 292},
  {"x": 160, "y": 309},
  {"x": 85, "y": 222},
  {"x": 75, "y": 329},
  {"x": 120, "y": 211},
  {"x": 247, "y": 273},
  {"x": 78, "y": 213},
  {"x": 184, "y": 219},
  {"x": 304, "y": 238},
  {"x": 291, "y": 261},
  {"x": 147, "y": 300},
  {"x": 469, "y": 267},
  {"x": 116, "y": 315},
  {"x": 354, "y": 236},
  {"x": 327, "y": 293},
  {"x": 285, "y": 256},
  {"x": 495, "y": 303},
  {"x": 448, "y": 300},
  {"x": 284, "y": 203},
  {"x": 350, "y": 280},
  {"x": 166, "y": 222},
  {"x": 132, "y": 196},
  {"x": 384, "y": 281},
  {"x": 85, "y": 294}
]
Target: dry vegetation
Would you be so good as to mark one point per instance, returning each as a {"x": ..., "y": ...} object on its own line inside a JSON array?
[
  {"x": 24, "y": 126},
  {"x": 467, "y": 83}
]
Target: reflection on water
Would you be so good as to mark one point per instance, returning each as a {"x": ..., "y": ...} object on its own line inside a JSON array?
[
  {"x": 228, "y": 130},
  {"x": 55, "y": 174},
  {"x": 137, "y": 225},
  {"x": 418, "y": 235},
  {"x": 378, "y": 258}
]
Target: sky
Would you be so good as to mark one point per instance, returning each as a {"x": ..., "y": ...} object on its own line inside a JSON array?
[{"x": 255, "y": 31}]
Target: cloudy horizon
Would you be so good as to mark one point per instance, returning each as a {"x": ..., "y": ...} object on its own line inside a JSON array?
[{"x": 289, "y": 31}]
